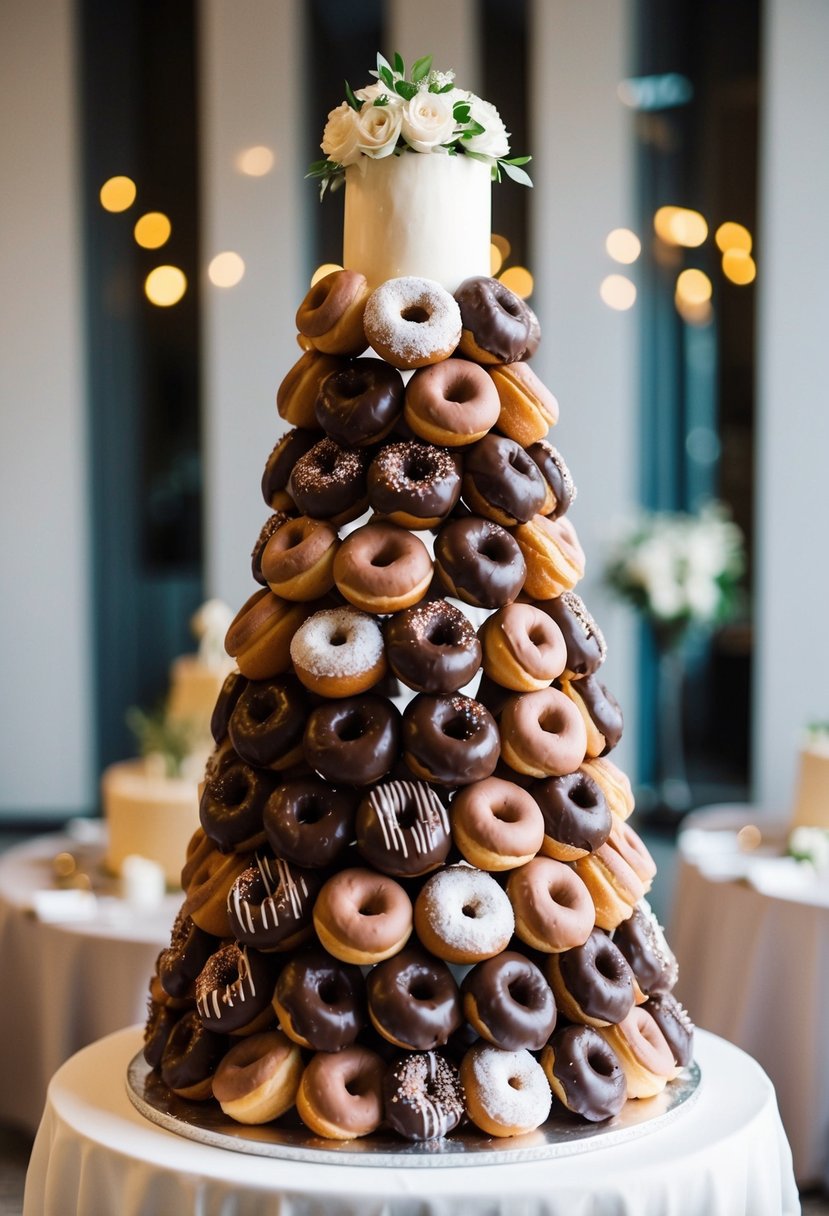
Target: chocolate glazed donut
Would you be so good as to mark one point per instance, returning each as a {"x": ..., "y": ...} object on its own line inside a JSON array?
[
  {"x": 432, "y": 647},
  {"x": 451, "y": 740},
  {"x": 561, "y": 489},
  {"x": 577, "y": 819},
  {"x": 329, "y": 482},
  {"x": 586, "y": 647},
  {"x": 413, "y": 1000},
  {"x": 189, "y": 949},
  {"x": 309, "y": 822},
  {"x": 584, "y": 1073},
  {"x": 229, "y": 694},
  {"x": 403, "y": 829},
  {"x": 641, "y": 940},
  {"x": 500, "y": 323},
  {"x": 191, "y": 1056},
  {"x": 234, "y": 987},
  {"x": 422, "y": 1096},
  {"x": 360, "y": 404},
  {"x": 593, "y": 983},
  {"x": 320, "y": 1001},
  {"x": 502, "y": 482},
  {"x": 601, "y": 712},
  {"x": 231, "y": 805},
  {"x": 266, "y": 724},
  {"x": 287, "y": 451},
  {"x": 480, "y": 562},
  {"x": 270, "y": 905},
  {"x": 414, "y": 484},
  {"x": 509, "y": 1002},
  {"x": 354, "y": 740},
  {"x": 675, "y": 1024}
]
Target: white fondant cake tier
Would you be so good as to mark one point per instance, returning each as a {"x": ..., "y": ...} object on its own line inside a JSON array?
[
  {"x": 417, "y": 214},
  {"x": 811, "y": 804},
  {"x": 148, "y": 815}
]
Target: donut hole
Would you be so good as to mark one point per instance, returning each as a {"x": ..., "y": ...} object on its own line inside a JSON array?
[
  {"x": 520, "y": 992},
  {"x": 461, "y": 391},
  {"x": 506, "y": 814},
  {"x": 371, "y": 906},
  {"x": 386, "y": 556},
  {"x": 351, "y": 728},
  {"x": 310, "y": 810},
  {"x": 293, "y": 535},
  {"x": 516, "y": 1082},
  {"x": 458, "y": 727},
  {"x": 417, "y": 468},
  {"x": 442, "y": 634},
  {"x": 326, "y": 459},
  {"x": 328, "y": 991},
  {"x": 352, "y": 384},
  {"x": 551, "y": 722},
  {"x": 356, "y": 1087},
  {"x": 606, "y": 965},
  {"x": 232, "y": 788},
  {"x": 415, "y": 313},
  {"x": 563, "y": 896},
  {"x": 510, "y": 304},
  {"x": 600, "y": 1063},
  {"x": 407, "y": 817},
  {"x": 582, "y": 796},
  {"x": 537, "y": 635},
  {"x": 470, "y": 910},
  {"x": 495, "y": 549},
  {"x": 421, "y": 990},
  {"x": 339, "y": 638}
]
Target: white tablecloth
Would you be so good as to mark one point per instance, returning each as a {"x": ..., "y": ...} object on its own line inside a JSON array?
[
  {"x": 725, "y": 1155},
  {"x": 753, "y": 953},
  {"x": 64, "y": 985}
]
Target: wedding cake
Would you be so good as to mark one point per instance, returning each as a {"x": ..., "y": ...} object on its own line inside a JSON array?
[
  {"x": 811, "y": 802},
  {"x": 415, "y": 898}
]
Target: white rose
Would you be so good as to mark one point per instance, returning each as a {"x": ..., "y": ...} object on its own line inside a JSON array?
[
  {"x": 378, "y": 130},
  {"x": 703, "y": 596},
  {"x": 495, "y": 140},
  {"x": 371, "y": 92},
  {"x": 428, "y": 121},
  {"x": 341, "y": 135}
]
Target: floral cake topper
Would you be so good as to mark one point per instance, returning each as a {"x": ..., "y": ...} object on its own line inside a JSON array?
[{"x": 421, "y": 111}]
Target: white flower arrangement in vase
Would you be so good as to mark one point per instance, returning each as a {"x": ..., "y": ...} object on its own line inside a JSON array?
[{"x": 422, "y": 111}]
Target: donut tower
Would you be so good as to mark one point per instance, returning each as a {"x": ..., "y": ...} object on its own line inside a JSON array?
[{"x": 415, "y": 899}]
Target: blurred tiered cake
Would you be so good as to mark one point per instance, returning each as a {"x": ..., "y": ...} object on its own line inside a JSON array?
[
  {"x": 415, "y": 897},
  {"x": 811, "y": 802},
  {"x": 151, "y": 803}
]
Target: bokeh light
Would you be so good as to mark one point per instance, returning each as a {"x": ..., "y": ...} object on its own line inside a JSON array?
[
  {"x": 519, "y": 280},
  {"x": 502, "y": 245},
  {"x": 255, "y": 161},
  {"x": 739, "y": 266},
  {"x": 226, "y": 269},
  {"x": 623, "y": 245},
  {"x": 680, "y": 226},
  {"x": 496, "y": 259},
  {"x": 323, "y": 270},
  {"x": 117, "y": 193},
  {"x": 152, "y": 230},
  {"x": 693, "y": 287},
  {"x": 165, "y": 285},
  {"x": 733, "y": 236},
  {"x": 618, "y": 292}
]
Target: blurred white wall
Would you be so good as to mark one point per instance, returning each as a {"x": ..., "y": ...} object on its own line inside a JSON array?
[
  {"x": 792, "y": 574},
  {"x": 45, "y": 742}
]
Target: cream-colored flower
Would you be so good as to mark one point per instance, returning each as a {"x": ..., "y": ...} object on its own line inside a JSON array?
[
  {"x": 428, "y": 121},
  {"x": 494, "y": 141},
  {"x": 370, "y": 93},
  {"x": 340, "y": 139},
  {"x": 378, "y": 130}
]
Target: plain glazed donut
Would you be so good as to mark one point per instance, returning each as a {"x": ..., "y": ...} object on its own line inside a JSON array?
[
  {"x": 258, "y": 1078},
  {"x": 319, "y": 1001},
  {"x": 463, "y": 916},
  {"x": 528, "y": 408},
  {"x": 411, "y": 322},
  {"x": 614, "y": 885},
  {"x": 338, "y": 652},
  {"x": 331, "y": 315},
  {"x": 554, "y": 556},
  {"x": 561, "y": 490},
  {"x": 235, "y": 987},
  {"x": 479, "y": 562},
  {"x": 498, "y": 326},
  {"x": 496, "y": 825},
  {"x": 542, "y": 734},
  {"x": 451, "y": 404},
  {"x": 329, "y": 482},
  {"x": 640, "y": 1046},
  {"x": 450, "y": 740},
  {"x": 502, "y": 482},
  {"x": 309, "y": 822},
  {"x": 509, "y": 1002},
  {"x": 523, "y": 648},
  {"x": 265, "y": 727},
  {"x": 413, "y": 1001},
  {"x": 614, "y": 784},
  {"x": 642, "y": 941},
  {"x": 259, "y": 637},
  {"x": 552, "y": 906},
  {"x": 432, "y": 647},
  {"x": 506, "y": 1091},
  {"x": 402, "y": 829},
  {"x": 190, "y": 1058},
  {"x": 593, "y": 983},
  {"x": 270, "y": 903},
  {"x": 286, "y": 452},
  {"x": 423, "y": 1098},
  {"x": 360, "y": 404},
  {"x": 600, "y": 711},
  {"x": 414, "y": 484},
  {"x": 362, "y": 917},
  {"x": 381, "y": 568},
  {"x": 577, "y": 819},
  {"x": 584, "y": 1073},
  {"x": 340, "y": 1095},
  {"x": 355, "y": 741},
  {"x": 298, "y": 560},
  {"x": 296, "y": 397}
]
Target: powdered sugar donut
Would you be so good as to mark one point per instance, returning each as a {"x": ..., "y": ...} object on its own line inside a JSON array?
[
  {"x": 463, "y": 916},
  {"x": 410, "y": 322},
  {"x": 338, "y": 652},
  {"x": 507, "y": 1092}
]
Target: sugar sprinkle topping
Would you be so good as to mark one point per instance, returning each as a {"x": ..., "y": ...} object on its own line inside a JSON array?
[
  {"x": 385, "y": 317},
  {"x": 337, "y": 642}
]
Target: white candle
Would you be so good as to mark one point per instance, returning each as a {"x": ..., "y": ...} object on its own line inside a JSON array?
[{"x": 142, "y": 881}]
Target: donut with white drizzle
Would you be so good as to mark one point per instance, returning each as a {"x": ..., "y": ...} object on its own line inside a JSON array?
[
  {"x": 270, "y": 904},
  {"x": 403, "y": 829},
  {"x": 423, "y": 1097},
  {"x": 234, "y": 988}
]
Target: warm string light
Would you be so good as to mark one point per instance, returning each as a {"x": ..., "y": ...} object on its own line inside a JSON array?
[
  {"x": 165, "y": 285},
  {"x": 256, "y": 161},
  {"x": 519, "y": 280},
  {"x": 152, "y": 230},
  {"x": 623, "y": 246},
  {"x": 117, "y": 194},
  {"x": 226, "y": 269},
  {"x": 680, "y": 226},
  {"x": 618, "y": 292}
]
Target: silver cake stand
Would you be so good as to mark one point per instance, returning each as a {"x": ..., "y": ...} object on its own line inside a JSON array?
[{"x": 561, "y": 1135}]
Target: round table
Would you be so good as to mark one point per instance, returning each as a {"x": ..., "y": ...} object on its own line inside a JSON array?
[
  {"x": 723, "y": 1155},
  {"x": 750, "y": 930},
  {"x": 69, "y": 982}
]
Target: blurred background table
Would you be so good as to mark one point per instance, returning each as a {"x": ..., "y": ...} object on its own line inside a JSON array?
[
  {"x": 725, "y": 1154},
  {"x": 66, "y": 983},
  {"x": 750, "y": 928}
]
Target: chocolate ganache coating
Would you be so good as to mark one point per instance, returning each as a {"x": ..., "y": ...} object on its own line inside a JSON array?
[
  {"x": 231, "y": 805},
  {"x": 452, "y": 740},
  {"x": 417, "y": 480},
  {"x": 502, "y": 478},
  {"x": 556, "y": 474},
  {"x": 192, "y": 1053},
  {"x": 422, "y": 1096},
  {"x": 641, "y": 940},
  {"x": 575, "y": 811},
  {"x": 586, "y": 647},
  {"x": 235, "y": 985},
  {"x": 189, "y": 949},
  {"x": 480, "y": 562},
  {"x": 230, "y": 692},
  {"x": 287, "y": 451},
  {"x": 500, "y": 322},
  {"x": 354, "y": 740},
  {"x": 588, "y": 1072},
  {"x": 157, "y": 1030},
  {"x": 309, "y": 821},
  {"x": 677, "y": 1028},
  {"x": 508, "y": 999},
  {"x": 432, "y": 647},
  {"x": 403, "y": 829},
  {"x": 597, "y": 980},
  {"x": 271, "y": 903},
  {"x": 413, "y": 1000},
  {"x": 360, "y": 403},
  {"x": 267, "y": 720},
  {"x": 602, "y": 708},
  {"x": 324, "y": 998},
  {"x": 329, "y": 481}
]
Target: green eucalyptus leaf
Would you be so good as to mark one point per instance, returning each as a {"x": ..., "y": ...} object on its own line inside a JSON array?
[
  {"x": 446, "y": 88},
  {"x": 461, "y": 111},
  {"x": 405, "y": 89},
  {"x": 421, "y": 68},
  {"x": 382, "y": 100},
  {"x": 387, "y": 77},
  {"x": 515, "y": 160},
  {"x": 350, "y": 97},
  {"x": 517, "y": 175},
  {"x": 399, "y": 65},
  {"x": 473, "y": 128},
  {"x": 382, "y": 63}
]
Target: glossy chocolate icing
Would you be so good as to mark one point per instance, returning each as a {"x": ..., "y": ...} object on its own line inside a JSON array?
[
  {"x": 511, "y": 1000},
  {"x": 330, "y": 480},
  {"x": 481, "y": 560},
  {"x": 414, "y": 1000},
  {"x": 271, "y": 903},
  {"x": 575, "y": 811},
  {"x": 586, "y": 647},
  {"x": 414, "y": 478},
  {"x": 588, "y": 1072},
  {"x": 271, "y": 525},
  {"x": 505, "y": 477},
  {"x": 500, "y": 322},
  {"x": 235, "y": 985},
  {"x": 231, "y": 805},
  {"x": 287, "y": 451},
  {"x": 556, "y": 474},
  {"x": 602, "y": 708},
  {"x": 676, "y": 1026},
  {"x": 354, "y": 740},
  {"x": 403, "y": 829},
  {"x": 453, "y": 739},
  {"x": 191, "y": 1054},
  {"x": 432, "y": 647},
  {"x": 324, "y": 998},
  {"x": 267, "y": 720},
  {"x": 360, "y": 404},
  {"x": 157, "y": 1030},
  {"x": 597, "y": 979},
  {"x": 641, "y": 940},
  {"x": 230, "y": 692},
  {"x": 189, "y": 949},
  {"x": 422, "y": 1096},
  {"x": 309, "y": 821}
]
